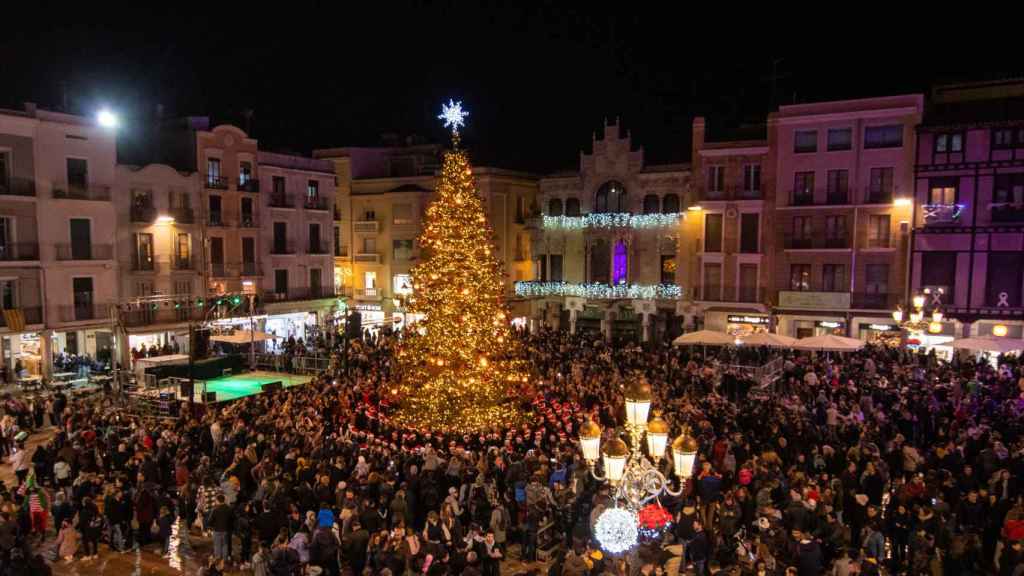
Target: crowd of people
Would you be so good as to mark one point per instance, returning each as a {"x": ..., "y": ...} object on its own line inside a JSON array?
[{"x": 880, "y": 461}]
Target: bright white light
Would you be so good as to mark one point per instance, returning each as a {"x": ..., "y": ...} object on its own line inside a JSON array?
[
  {"x": 599, "y": 291},
  {"x": 453, "y": 115},
  {"x": 616, "y": 530},
  {"x": 165, "y": 219},
  {"x": 107, "y": 119},
  {"x": 903, "y": 202},
  {"x": 613, "y": 220}
]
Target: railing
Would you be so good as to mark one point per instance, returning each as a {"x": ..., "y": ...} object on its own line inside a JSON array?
[
  {"x": 251, "y": 269},
  {"x": 749, "y": 194},
  {"x": 369, "y": 293},
  {"x": 837, "y": 243},
  {"x": 143, "y": 264},
  {"x": 282, "y": 247},
  {"x": 217, "y": 219},
  {"x": 798, "y": 243},
  {"x": 300, "y": 364},
  {"x": 933, "y": 214},
  {"x": 366, "y": 226},
  {"x": 73, "y": 192},
  {"x": 279, "y": 200},
  {"x": 874, "y": 301},
  {"x": 19, "y": 251},
  {"x": 803, "y": 198},
  {"x": 163, "y": 314},
  {"x": 340, "y": 251},
  {"x": 249, "y": 185},
  {"x": 711, "y": 292},
  {"x": 877, "y": 196},
  {"x": 218, "y": 270},
  {"x": 367, "y": 258},
  {"x": 837, "y": 197},
  {"x": 248, "y": 221},
  {"x": 183, "y": 262},
  {"x": 145, "y": 214},
  {"x": 316, "y": 203},
  {"x": 758, "y": 373},
  {"x": 32, "y": 315},
  {"x": 812, "y": 243},
  {"x": 879, "y": 242},
  {"x": 317, "y": 247},
  {"x": 216, "y": 182},
  {"x": 18, "y": 187},
  {"x": 83, "y": 312},
  {"x": 85, "y": 251},
  {"x": 302, "y": 293},
  {"x": 184, "y": 215},
  {"x": 1007, "y": 212}
]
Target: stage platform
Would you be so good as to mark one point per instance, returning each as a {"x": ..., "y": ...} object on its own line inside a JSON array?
[{"x": 234, "y": 387}]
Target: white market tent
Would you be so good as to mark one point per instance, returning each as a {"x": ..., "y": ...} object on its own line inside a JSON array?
[
  {"x": 768, "y": 339},
  {"x": 704, "y": 338},
  {"x": 988, "y": 344},
  {"x": 829, "y": 343},
  {"x": 243, "y": 337}
]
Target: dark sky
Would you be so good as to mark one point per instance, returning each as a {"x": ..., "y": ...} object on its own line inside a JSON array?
[{"x": 538, "y": 79}]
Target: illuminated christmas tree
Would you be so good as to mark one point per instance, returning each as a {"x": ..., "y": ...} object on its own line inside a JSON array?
[{"x": 459, "y": 369}]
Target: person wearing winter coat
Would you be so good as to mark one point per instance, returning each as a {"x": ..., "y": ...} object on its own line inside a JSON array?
[
  {"x": 67, "y": 542},
  {"x": 261, "y": 561}
]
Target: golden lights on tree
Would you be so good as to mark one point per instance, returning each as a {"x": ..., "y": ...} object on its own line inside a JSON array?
[{"x": 459, "y": 368}]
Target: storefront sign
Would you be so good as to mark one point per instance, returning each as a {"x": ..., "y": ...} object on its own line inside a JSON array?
[
  {"x": 878, "y": 327},
  {"x": 368, "y": 307},
  {"x": 747, "y": 319},
  {"x": 814, "y": 300},
  {"x": 830, "y": 324}
]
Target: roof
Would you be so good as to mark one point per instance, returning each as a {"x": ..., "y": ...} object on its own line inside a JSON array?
[
  {"x": 409, "y": 188},
  {"x": 974, "y": 113}
]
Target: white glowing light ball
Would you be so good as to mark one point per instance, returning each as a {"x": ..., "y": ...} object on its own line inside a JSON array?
[{"x": 616, "y": 530}]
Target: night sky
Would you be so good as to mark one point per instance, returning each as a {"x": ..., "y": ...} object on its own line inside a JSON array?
[{"x": 538, "y": 80}]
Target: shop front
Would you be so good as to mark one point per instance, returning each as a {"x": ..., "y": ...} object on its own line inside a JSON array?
[
  {"x": 96, "y": 343},
  {"x": 998, "y": 328},
  {"x": 588, "y": 321},
  {"x": 741, "y": 325},
  {"x": 22, "y": 354},
  {"x": 297, "y": 325},
  {"x": 627, "y": 326},
  {"x": 807, "y": 326},
  {"x": 164, "y": 342},
  {"x": 940, "y": 341},
  {"x": 372, "y": 316},
  {"x": 879, "y": 333}
]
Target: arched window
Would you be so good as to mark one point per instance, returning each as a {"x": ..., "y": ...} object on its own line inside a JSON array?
[
  {"x": 610, "y": 197},
  {"x": 572, "y": 206},
  {"x": 651, "y": 204},
  {"x": 620, "y": 263},
  {"x": 555, "y": 207},
  {"x": 670, "y": 204}
]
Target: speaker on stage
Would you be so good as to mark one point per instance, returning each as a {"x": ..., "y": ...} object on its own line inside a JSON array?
[
  {"x": 211, "y": 397},
  {"x": 354, "y": 325},
  {"x": 201, "y": 341},
  {"x": 272, "y": 386},
  {"x": 186, "y": 389}
]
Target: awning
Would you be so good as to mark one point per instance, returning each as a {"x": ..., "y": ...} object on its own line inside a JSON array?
[
  {"x": 243, "y": 337},
  {"x": 769, "y": 339},
  {"x": 704, "y": 337},
  {"x": 829, "y": 343},
  {"x": 988, "y": 344}
]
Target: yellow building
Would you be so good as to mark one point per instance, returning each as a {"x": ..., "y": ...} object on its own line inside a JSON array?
[{"x": 382, "y": 196}]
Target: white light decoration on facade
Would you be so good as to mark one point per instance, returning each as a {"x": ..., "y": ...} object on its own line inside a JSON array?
[
  {"x": 453, "y": 115},
  {"x": 613, "y": 220},
  {"x": 600, "y": 291},
  {"x": 616, "y": 530}
]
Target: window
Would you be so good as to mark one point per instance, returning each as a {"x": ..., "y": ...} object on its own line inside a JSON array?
[
  {"x": 555, "y": 262},
  {"x": 799, "y": 276},
  {"x": 880, "y": 189},
  {"x": 337, "y": 241},
  {"x": 1009, "y": 189},
  {"x": 942, "y": 191},
  {"x": 611, "y": 197},
  {"x": 315, "y": 286},
  {"x": 749, "y": 232},
  {"x": 244, "y": 172},
  {"x": 278, "y": 184},
  {"x": 555, "y": 207},
  {"x": 949, "y": 142},
  {"x": 213, "y": 170},
  {"x": 401, "y": 284},
  {"x": 748, "y": 283},
  {"x": 6, "y": 238},
  {"x": 802, "y": 232},
  {"x": 1002, "y": 138},
  {"x": 8, "y": 294},
  {"x": 541, "y": 268},
  {"x": 668, "y": 269},
  {"x": 805, "y": 141},
  {"x": 1003, "y": 284},
  {"x": 712, "y": 232},
  {"x": 182, "y": 249},
  {"x": 402, "y": 249},
  {"x": 82, "y": 296},
  {"x": 876, "y": 278},
  {"x": 712, "y": 285},
  {"x": 600, "y": 261},
  {"x": 803, "y": 188},
  {"x": 249, "y": 254},
  {"x": 620, "y": 263},
  {"x": 312, "y": 189},
  {"x": 78, "y": 173},
  {"x": 833, "y": 278},
  {"x": 939, "y": 269},
  {"x": 369, "y": 245},
  {"x": 840, "y": 139},
  {"x": 370, "y": 280},
  {"x": 215, "y": 213},
  {"x": 369, "y": 215},
  {"x": 5, "y": 171},
  {"x": 80, "y": 233},
  {"x": 890, "y": 136},
  {"x": 280, "y": 237},
  {"x": 315, "y": 244},
  {"x": 217, "y": 250},
  {"x": 280, "y": 281},
  {"x": 716, "y": 179},
  {"x": 835, "y": 232},
  {"x": 670, "y": 204},
  {"x": 247, "y": 218},
  {"x": 752, "y": 178},
  {"x": 520, "y": 209},
  {"x": 651, "y": 203},
  {"x": 838, "y": 186},
  {"x": 142, "y": 258},
  {"x": 401, "y": 213},
  {"x": 879, "y": 230},
  {"x": 572, "y": 206}
]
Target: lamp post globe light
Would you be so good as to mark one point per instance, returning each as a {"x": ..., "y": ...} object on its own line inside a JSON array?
[
  {"x": 633, "y": 476},
  {"x": 918, "y": 320}
]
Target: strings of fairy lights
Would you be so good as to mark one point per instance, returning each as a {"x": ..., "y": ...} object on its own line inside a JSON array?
[
  {"x": 613, "y": 220},
  {"x": 599, "y": 291}
]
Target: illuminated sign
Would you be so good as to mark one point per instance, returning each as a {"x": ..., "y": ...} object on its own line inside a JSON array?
[
  {"x": 828, "y": 324},
  {"x": 879, "y": 327},
  {"x": 747, "y": 319},
  {"x": 368, "y": 307}
]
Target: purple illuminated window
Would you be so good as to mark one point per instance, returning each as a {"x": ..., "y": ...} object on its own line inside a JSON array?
[{"x": 619, "y": 263}]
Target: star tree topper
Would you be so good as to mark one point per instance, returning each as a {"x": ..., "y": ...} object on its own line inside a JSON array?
[{"x": 453, "y": 115}]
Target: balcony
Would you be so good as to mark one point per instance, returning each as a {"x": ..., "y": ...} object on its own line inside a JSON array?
[
  {"x": 738, "y": 294},
  {"x": 18, "y": 187},
  {"x": 32, "y": 315},
  {"x": 85, "y": 311},
  {"x": 810, "y": 300},
  {"x": 251, "y": 269},
  {"x": 874, "y": 301},
  {"x": 366, "y": 226},
  {"x": 877, "y": 196},
  {"x": 941, "y": 214},
  {"x": 248, "y": 221},
  {"x": 1004, "y": 212},
  {"x": 318, "y": 247},
  {"x": 248, "y": 184},
  {"x": 19, "y": 251},
  {"x": 162, "y": 315},
  {"x": 367, "y": 258},
  {"x": 749, "y": 195},
  {"x": 145, "y": 214},
  {"x": 183, "y": 262},
  {"x": 341, "y": 251},
  {"x": 64, "y": 191},
  {"x": 183, "y": 215},
  {"x": 216, "y": 182},
  {"x": 369, "y": 293},
  {"x": 316, "y": 203},
  {"x": 282, "y": 247},
  {"x": 837, "y": 243},
  {"x": 878, "y": 242},
  {"x": 837, "y": 198},
  {"x": 217, "y": 219},
  {"x": 337, "y": 212},
  {"x": 85, "y": 251},
  {"x": 144, "y": 264},
  {"x": 803, "y": 198},
  {"x": 280, "y": 200},
  {"x": 812, "y": 243}
]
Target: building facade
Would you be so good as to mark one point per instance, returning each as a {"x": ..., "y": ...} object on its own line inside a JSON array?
[
  {"x": 606, "y": 246},
  {"x": 728, "y": 232},
  {"x": 968, "y": 225},
  {"x": 843, "y": 202}
]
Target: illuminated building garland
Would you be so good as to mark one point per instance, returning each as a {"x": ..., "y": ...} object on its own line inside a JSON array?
[
  {"x": 600, "y": 291},
  {"x": 613, "y": 220}
]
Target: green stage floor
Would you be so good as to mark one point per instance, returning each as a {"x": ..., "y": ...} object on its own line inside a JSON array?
[{"x": 235, "y": 387}]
